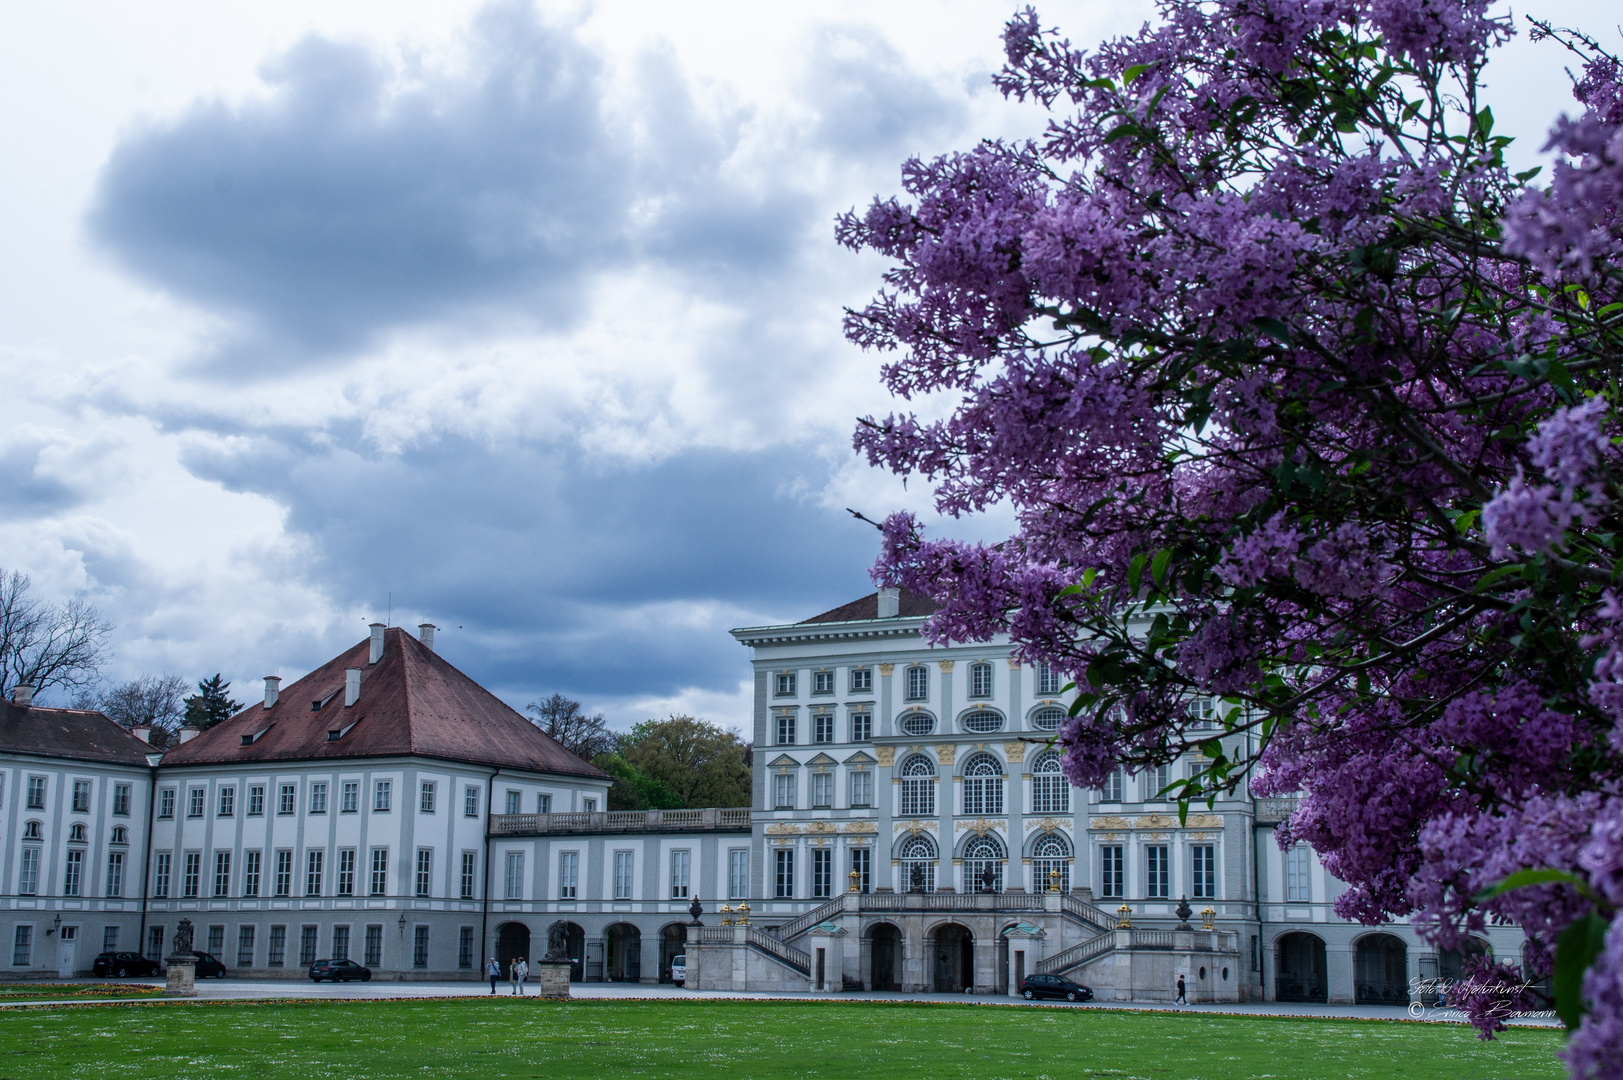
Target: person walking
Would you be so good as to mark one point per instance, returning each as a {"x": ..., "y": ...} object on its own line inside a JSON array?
[
  {"x": 523, "y": 967},
  {"x": 512, "y": 974},
  {"x": 1181, "y": 1000},
  {"x": 493, "y": 971}
]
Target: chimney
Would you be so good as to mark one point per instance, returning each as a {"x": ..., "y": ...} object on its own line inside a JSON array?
[
  {"x": 352, "y": 686},
  {"x": 188, "y": 733},
  {"x": 273, "y": 688},
  {"x": 143, "y": 733},
  {"x": 22, "y": 695},
  {"x": 377, "y": 644},
  {"x": 890, "y": 603},
  {"x": 425, "y": 633}
]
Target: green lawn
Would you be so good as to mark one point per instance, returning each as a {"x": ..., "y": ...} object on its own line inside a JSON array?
[
  {"x": 715, "y": 1040},
  {"x": 32, "y": 991}
]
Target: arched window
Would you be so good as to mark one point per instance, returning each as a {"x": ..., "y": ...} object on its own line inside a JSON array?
[
  {"x": 121, "y": 835},
  {"x": 76, "y": 832},
  {"x": 1050, "y": 794},
  {"x": 918, "y": 865},
  {"x": 1048, "y": 718},
  {"x": 980, "y": 680},
  {"x": 918, "y": 787},
  {"x": 983, "y": 864},
  {"x": 31, "y": 830},
  {"x": 917, "y": 723},
  {"x": 982, "y": 721},
  {"x": 983, "y": 785},
  {"x": 1051, "y": 864},
  {"x": 918, "y": 682}
]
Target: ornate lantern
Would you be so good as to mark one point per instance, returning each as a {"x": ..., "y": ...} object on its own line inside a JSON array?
[
  {"x": 1208, "y": 918},
  {"x": 1053, "y": 880},
  {"x": 726, "y": 915},
  {"x": 1124, "y": 917},
  {"x": 856, "y": 879},
  {"x": 743, "y": 912}
]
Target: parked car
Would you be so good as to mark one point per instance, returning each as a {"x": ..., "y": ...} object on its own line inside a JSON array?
[
  {"x": 1039, "y": 986},
  {"x": 208, "y": 967},
  {"x": 679, "y": 969},
  {"x": 339, "y": 971},
  {"x": 121, "y": 965}
]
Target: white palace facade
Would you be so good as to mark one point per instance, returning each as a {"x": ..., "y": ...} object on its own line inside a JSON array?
[{"x": 909, "y": 831}]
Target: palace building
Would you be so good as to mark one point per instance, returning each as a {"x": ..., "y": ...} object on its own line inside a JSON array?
[{"x": 910, "y": 830}]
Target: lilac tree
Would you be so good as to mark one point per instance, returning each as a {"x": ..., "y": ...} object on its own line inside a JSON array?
[{"x": 1304, "y": 401}]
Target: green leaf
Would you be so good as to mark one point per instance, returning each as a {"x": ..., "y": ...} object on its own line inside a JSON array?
[
  {"x": 1521, "y": 879},
  {"x": 1135, "y": 571},
  {"x": 1273, "y": 328},
  {"x": 1498, "y": 574},
  {"x": 1158, "y": 567},
  {"x": 1577, "y": 948},
  {"x": 1132, "y": 73},
  {"x": 1484, "y": 122}
]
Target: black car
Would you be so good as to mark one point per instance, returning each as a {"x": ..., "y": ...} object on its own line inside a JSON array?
[
  {"x": 208, "y": 967},
  {"x": 339, "y": 971},
  {"x": 122, "y": 965},
  {"x": 1040, "y": 986}
]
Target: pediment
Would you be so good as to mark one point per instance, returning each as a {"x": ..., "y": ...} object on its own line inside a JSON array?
[
  {"x": 860, "y": 758},
  {"x": 822, "y": 759},
  {"x": 784, "y": 761}
]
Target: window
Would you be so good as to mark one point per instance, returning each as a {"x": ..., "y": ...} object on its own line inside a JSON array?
[
  {"x": 284, "y": 873},
  {"x": 862, "y": 863},
  {"x": 121, "y": 835},
  {"x": 1156, "y": 779},
  {"x": 983, "y": 865},
  {"x": 256, "y": 800},
  {"x": 192, "y": 872},
  {"x": 512, "y": 806},
  {"x": 785, "y": 858},
  {"x": 980, "y": 680},
  {"x": 1048, "y": 718},
  {"x": 1050, "y": 794},
  {"x": 81, "y": 796},
  {"x": 36, "y": 793},
  {"x": 918, "y": 865},
  {"x": 318, "y": 798},
  {"x": 382, "y": 792},
  {"x": 738, "y": 874},
  {"x": 1158, "y": 875},
  {"x": 681, "y": 864},
  {"x": 822, "y": 873},
  {"x": 222, "y": 873},
  {"x": 31, "y": 831},
  {"x": 380, "y": 871},
  {"x": 284, "y": 799},
  {"x": 1051, "y": 864},
  {"x": 28, "y": 876},
  {"x": 1113, "y": 869},
  {"x": 786, "y": 684},
  {"x": 470, "y": 863},
  {"x": 918, "y": 682},
  {"x": 425, "y": 798},
  {"x": 425, "y": 870},
  {"x": 419, "y": 947},
  {"x": 1048, "y": 680},
  {"x": 160, "y": 874},
  {"x": 349, "y": 797},
  {"x": 109, "y": 938},
  {"x": 228, "y": 802},
  {"x": 822, "y": 790},
  {"x": 543, "y": 803},
  {"x": 1203, "y": 880},
  {"x": 307, "y": 945},
  {"x": 22, "y": 946},
  {"x": 917, "y": 723},
  {"x": 982, "y": 721},
  {"x": 822, "y": 682},
  {"x": 918, "y": 787},
  {"x": 1115, "y": 783},
  {"x": 245, "y": 946},
  {"x": 622, "y": 875},
  {"x": 216, "y": 941},
  {"x": 1202, "y": 713},
  {"x": 73, "y": 873},
  {"x": 312, "y": 873},
  {"x": 983, "y": 785},
  {"x": 340, "y": 943},
  {"x": 166, "y": 803},
  {"x": 276, "y": 952},
  {"x": 590, "y": 805},
  {"x": 470, "y": 801},
  {"x": 786, "y": 729},
  {"x": 346, "y": 872},
  {"x": 1296, "y": 878},
  {"x": 861, "y": 680},
  {"x": 783, "y": 791},
  {"x": 250, "y": 873},
  {"x": 823, "y": 727},
  {"x": 77, "y": 833},
  {"x": 860, "y": 783},
  {"x": 154, "y": 942},
  {"x": 568, "y": 869},
  {"x": 194, "y": 802},
  {"x": 374, "y": 945},
  {"x": 464, "y": 947},
  {"x": 861, "y": 726},
  {"x": 121, "y": 800},
  {"x": 115, "y": 874}
]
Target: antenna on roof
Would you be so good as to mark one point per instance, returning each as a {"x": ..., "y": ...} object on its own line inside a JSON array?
[{"x": 388, "y": 618}]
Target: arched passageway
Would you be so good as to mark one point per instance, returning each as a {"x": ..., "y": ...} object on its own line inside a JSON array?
[
  {"x": 885, "y": 957},
  {"x": 1381, "y": 970},
  {"x": 952, "y": 953},
  {"x": 672, "y": 940},
  {"x": 625, "y": 952},
  {"x": 1301, "y": 968},
  {"x": 512, "y": 942}
]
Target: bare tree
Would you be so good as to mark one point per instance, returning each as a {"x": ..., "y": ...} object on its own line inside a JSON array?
[
  {"x": 563, "y": 719},
  {"x": 47, "y": 645},
  {"x": 152, "y": 701}
]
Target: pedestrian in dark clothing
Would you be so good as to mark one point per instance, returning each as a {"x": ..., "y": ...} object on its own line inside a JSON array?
[
  {"x": 1182, "y": 1000},
  {"x": 493, "y": 971}
]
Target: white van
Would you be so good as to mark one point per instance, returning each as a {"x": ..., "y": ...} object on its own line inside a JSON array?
[{"x": 679, "y": 969}]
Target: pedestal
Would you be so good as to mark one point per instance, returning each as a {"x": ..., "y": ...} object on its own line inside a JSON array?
[
  {"x": 182, "y": 976},
  {"x": 551, "y": 978}
]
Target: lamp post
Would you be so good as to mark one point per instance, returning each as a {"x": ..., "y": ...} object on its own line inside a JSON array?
[
  {"x": 1208, "y": 918},
  {"x": 1053, "y": 880},
  {"x": 856, "y": 879},
  {"x": 726, "y": 915},
  {"x": 743, "y": 914},
  {"x": 402, "y": 924},
  {"x": 1124, "y": 917}
]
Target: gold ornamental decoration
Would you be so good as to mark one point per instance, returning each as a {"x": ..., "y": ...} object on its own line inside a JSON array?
[
  {"x": 886, "y": 669},
  {"x": 944, "y": 752},
  {"x": 886, "y": 755},
  {"x": 1015, "y": 752}
]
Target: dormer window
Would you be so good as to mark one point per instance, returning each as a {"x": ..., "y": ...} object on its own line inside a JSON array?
[{"x": 77, "y": 833}]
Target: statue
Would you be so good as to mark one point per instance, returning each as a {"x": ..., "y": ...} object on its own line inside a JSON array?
[
  {"x": 557, "y": 943},
  {"x": 183, "y": 939},
  {"x": 696, "y": 910},
  {"x": 1183, "y": 911},
  {"x": 988, "y": 879},
  {"x": 915, "y": 878}
]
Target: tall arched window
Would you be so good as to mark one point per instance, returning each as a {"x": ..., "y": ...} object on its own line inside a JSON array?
[
  {"x": 918, "y": 865},
  {"x": 980, "y": 680},
  {"x": 918, "y": 682},
  {"x": 1050, "y": 794},
  {"x": 1051, "y": 856},
  {"x": 983, "y": 864},
  {"x": 918, "y": 787},
  {"x": 983, "y": 785}
]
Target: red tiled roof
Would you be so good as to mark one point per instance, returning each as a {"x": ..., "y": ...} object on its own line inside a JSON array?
[
  {"x": 912, "y": 606},
  {"x": 412, "y": 701},
  {"x": 79, "y": 734}
]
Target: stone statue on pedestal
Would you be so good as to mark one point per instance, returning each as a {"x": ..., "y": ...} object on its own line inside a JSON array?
[
  {"x": 183, "y": 939},
  {"x": 557, "y": 942}
]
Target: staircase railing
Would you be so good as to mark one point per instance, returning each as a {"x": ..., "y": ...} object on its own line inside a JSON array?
[
  {"x": 1077, "y": 954},
  {"x": 801, "y": 923},
  {"x": 785, "y": 954}
]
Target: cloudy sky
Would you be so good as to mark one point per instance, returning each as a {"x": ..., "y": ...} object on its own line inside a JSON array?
[{"x": 518, "y": 318}]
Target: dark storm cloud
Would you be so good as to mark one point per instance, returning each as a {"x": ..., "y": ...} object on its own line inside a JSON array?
[{"x": 24, "y": 491}]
